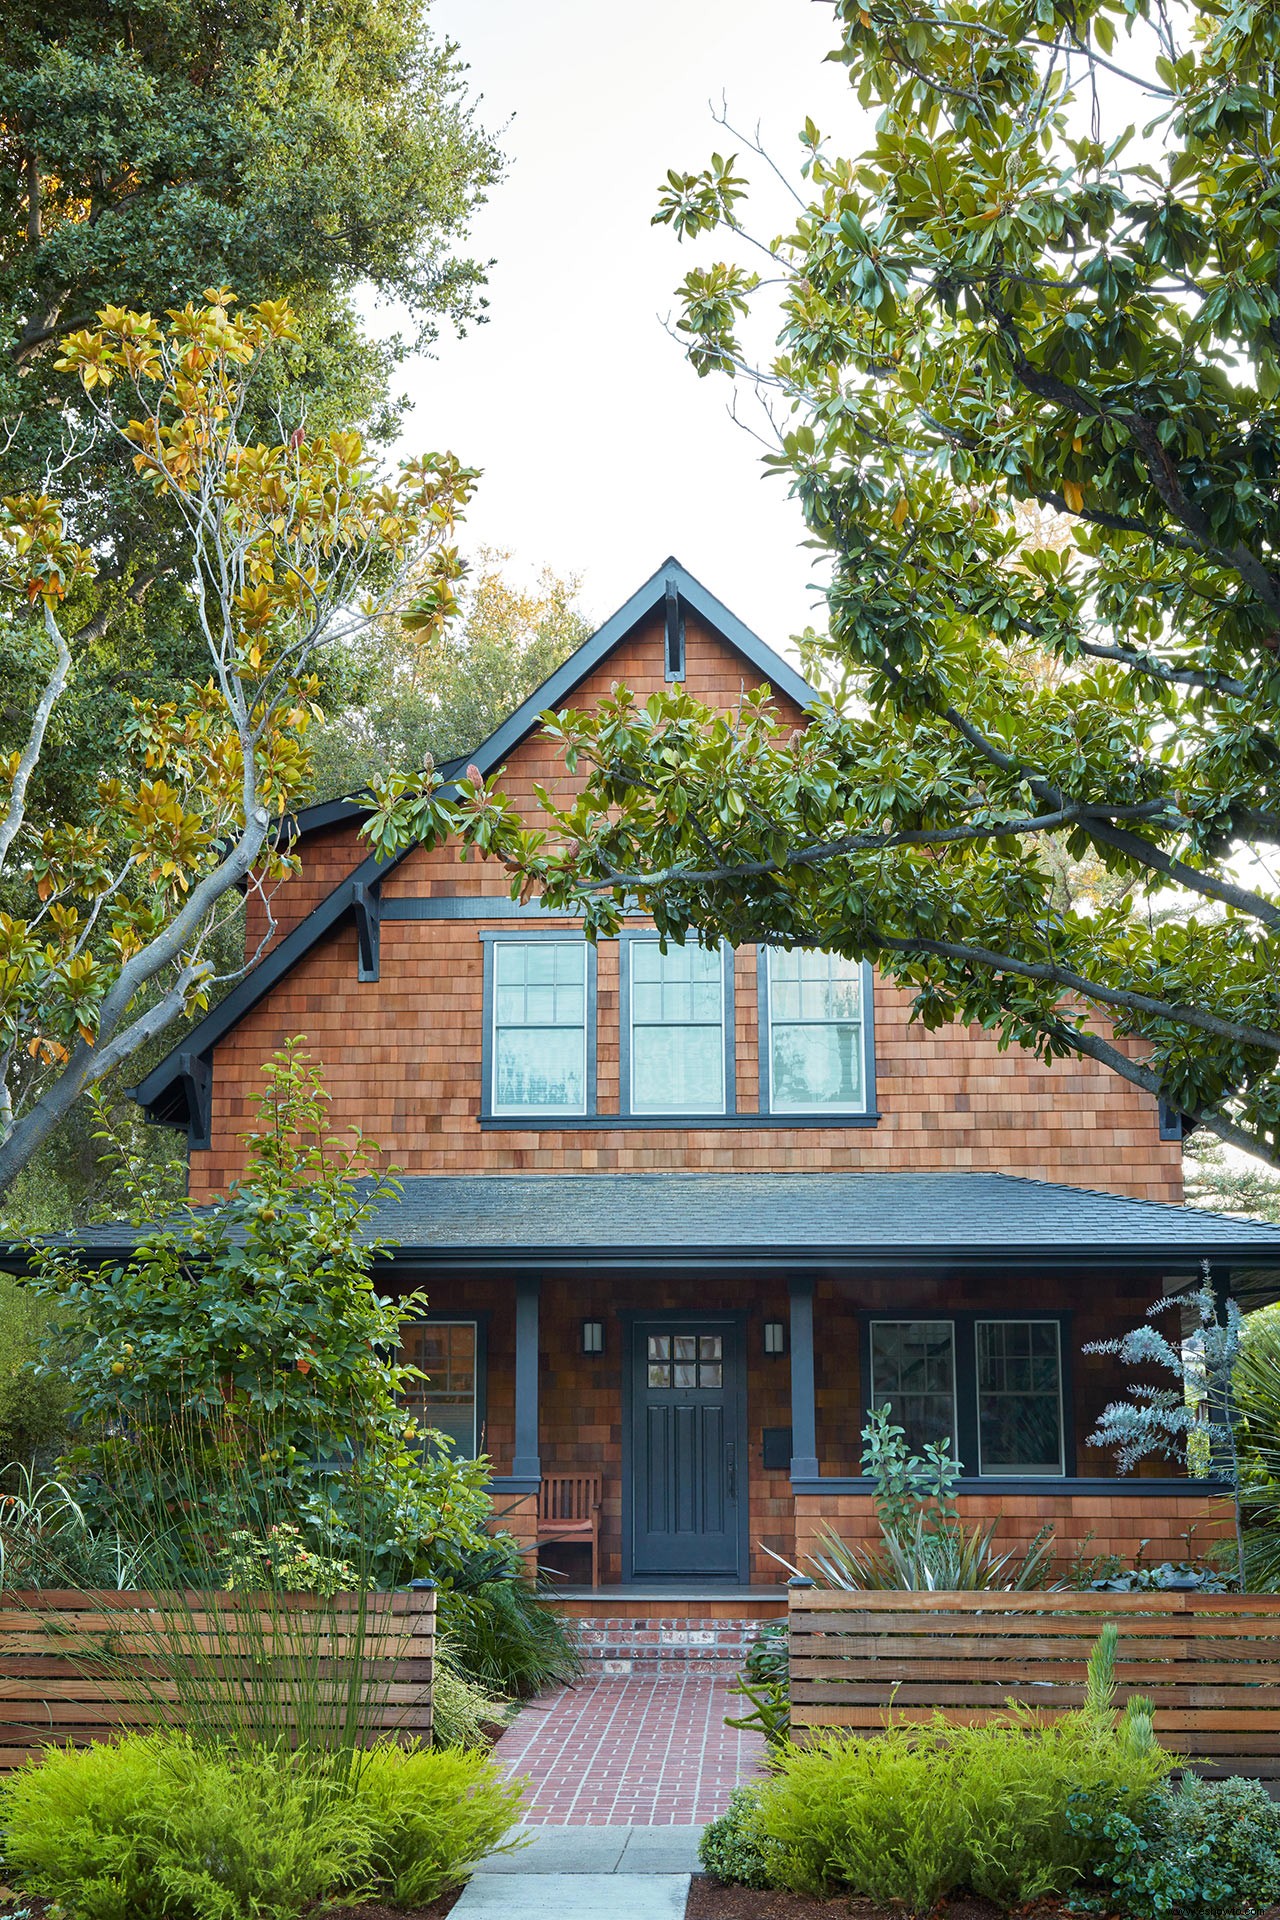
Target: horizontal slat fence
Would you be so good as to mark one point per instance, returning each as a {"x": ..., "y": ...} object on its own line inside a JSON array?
[
  {"x": 78, "y": 1667},
  {"x": 1209, "y": 1662}
]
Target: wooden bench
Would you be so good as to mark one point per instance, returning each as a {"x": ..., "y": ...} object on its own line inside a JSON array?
[{"x": 569, "y": 1509}]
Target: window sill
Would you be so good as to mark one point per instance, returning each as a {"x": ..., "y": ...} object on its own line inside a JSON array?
[{"x": 676, "y": 1123}]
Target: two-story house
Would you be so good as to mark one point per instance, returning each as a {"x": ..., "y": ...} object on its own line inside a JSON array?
[{"x": 684, "y": 1217}]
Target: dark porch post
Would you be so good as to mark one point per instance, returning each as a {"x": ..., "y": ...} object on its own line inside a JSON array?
[
  {"x": 804, "y": 1419},
  {"x": 526, "y": 1464}
]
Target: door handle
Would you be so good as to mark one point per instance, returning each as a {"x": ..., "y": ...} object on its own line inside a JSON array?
[{"x": 731, "y": 1469}]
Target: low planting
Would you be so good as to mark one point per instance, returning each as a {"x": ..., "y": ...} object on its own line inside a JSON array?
[{"x": 160, "y": 1827}]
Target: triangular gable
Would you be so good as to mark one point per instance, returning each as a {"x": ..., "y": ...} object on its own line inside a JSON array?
[{"x": 175, "y": 1093}]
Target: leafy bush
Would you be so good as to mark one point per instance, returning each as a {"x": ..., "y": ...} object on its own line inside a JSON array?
[
  {"x": 278, "y": 1558},
  {"x": 733, "y": 1847},
  {"x": 1209, "y": 1851},
  {"x": 34, "y": 1406},
  {"x": 47, "y": 1541},
  {"x": 432, "y": 1817},
  {"x": 462, "y": 1711},
  {"x": 507, "y": 1636},
  {"x": 765, "y": 1681},
  {"x": 920, "y": 1811},
  {"x": 151, "y": 1827}
]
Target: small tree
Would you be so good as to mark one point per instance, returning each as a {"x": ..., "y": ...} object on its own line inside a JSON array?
[
  {"x": 295, "y": 544},
  {"x": 1193, "y": 1421},
  {"x": 242, "y": 1362}
]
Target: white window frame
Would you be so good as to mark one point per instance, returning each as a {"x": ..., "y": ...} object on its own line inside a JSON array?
[
  {"x": 878, "y": 1399},
  {"x": 1018, "y": 1473},
  {"x": 676, "y": 1112},
  {"x": 865, "y": 1043},
  {"x": 507, "y": 1111}
]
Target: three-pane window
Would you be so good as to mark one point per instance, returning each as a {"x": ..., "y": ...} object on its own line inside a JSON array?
[
  {"x": 999, "y": 1381},
  {"x": 539, "y": 1027},
  {"x": 677, "y": 1029},
  {"x": 815, "y": 1033}
]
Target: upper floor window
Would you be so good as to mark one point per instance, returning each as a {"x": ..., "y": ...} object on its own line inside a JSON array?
[
  {"x": 676, "y": 1054},
  {"x": 539, "y": 1055},
  {"x": 816, "y": 1032}
]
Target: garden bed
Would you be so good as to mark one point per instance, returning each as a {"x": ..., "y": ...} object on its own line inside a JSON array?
[{"x": 711, "y": 1899}]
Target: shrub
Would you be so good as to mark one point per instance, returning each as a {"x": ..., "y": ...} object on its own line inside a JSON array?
[
  {"x": 508, "y": 1637},
  {"x": 462, "y": 1711},
  {"x": 152, "y": 1827},
  {"x": 432, "y": 1816},
  {"x": 1209, "y": 1851},
  {"x": 34, "y": 1406},
  {"x": 765, "y": 1681},
  {"x": 733, "y": 1847},
  {"x": 47, "y": 1541}
]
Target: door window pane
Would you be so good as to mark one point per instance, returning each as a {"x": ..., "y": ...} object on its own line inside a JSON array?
[
  {"x": 539, "y": 1026},
  {"x": 677, "y": 1029},
  {"x": 446, "y": 1352},
  {"x": 913, "y": 1369},
  {"x": 815, "y": 1033},
  {"x": 1019, "y": 1397}
]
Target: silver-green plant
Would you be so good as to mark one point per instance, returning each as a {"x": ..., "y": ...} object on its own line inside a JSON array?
[{"x": 1193, "y": 1421}]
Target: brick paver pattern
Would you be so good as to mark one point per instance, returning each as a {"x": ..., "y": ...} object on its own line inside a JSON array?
[{"x": 630, "y": 1752}]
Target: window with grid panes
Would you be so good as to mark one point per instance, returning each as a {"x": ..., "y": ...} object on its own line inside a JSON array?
[
  {"x": 913, "y": 1369},
  {"x": 1019, "y": 1384},
  {"x": 677, "y": 1029},
  {"x": 539, "y": 1027},
  {"x": 816, "y": 1040},
  {"x": 686, "y": 1360},
  {"x": 446, "y": 1352}
]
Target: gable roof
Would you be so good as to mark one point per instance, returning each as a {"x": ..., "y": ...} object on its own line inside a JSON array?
[
  {"x": 787, "y": 1218},
  {"x": 171, "y": 1092}
]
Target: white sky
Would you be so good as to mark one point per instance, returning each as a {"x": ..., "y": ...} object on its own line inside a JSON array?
[{"x": 602, "y": 450}]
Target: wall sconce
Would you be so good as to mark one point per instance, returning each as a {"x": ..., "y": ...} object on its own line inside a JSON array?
[
  {"x": 775, "y": 1337},
  {"x": 593, "y": 1336}
]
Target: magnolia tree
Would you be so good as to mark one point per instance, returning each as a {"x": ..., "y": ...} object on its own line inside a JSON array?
[
  {"x": 1046, "y": 286},
  {"x": 295, "y": 545}
]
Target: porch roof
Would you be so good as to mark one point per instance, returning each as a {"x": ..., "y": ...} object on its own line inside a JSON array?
[{"x": 776, "y": 1217}]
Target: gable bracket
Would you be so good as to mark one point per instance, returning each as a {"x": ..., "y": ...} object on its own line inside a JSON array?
[
  {"x": 674, "y": 632},
  {"x": 195, "y": 1073},
  {"x": 368, "y": 910}
]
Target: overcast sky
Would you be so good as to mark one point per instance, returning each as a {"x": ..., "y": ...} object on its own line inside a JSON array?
[{"x": 602, "y": 450}]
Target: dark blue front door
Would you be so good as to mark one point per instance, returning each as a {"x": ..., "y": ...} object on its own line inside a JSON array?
[{"x": 687, "y": 1447}]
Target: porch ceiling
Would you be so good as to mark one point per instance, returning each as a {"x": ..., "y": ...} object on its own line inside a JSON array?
[{"x": 788, "y": 1217}]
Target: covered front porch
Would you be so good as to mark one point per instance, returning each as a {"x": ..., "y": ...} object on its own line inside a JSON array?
[{"x": 712, "y": 1396}]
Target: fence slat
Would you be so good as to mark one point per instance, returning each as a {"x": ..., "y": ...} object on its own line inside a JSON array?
[
  {"x": 80, "y": 1667},
  {"x": 1210, "y": 1663}
]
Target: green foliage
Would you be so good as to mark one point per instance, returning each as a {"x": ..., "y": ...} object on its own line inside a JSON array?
[
  {"x": 924, "y": 1545},
  {"x": 1235, "y": 1187},
  {"x": 236, "y": 1371},
  {"x": 1256, "y": 1392},
  {"x": 1208, "y": 1850},
  {"x": 765, "y": 1682},
  {"x": 280, "y": 1558},
  {"x": 432, "y": 1816},
  {"x": 733, "y": 1847},
  {"x": 411, "y": 706},
  {"x": 922, "y": 1811},
  {"x": 507, "y": 1635},
  {"x": 1026, "y": 380},
  {"x": 463, "y": 1713},
  {"x": 46, "y": 1539},
  {"x": 152, "y": 1827},
  {"x": 33, "y": 1407}
]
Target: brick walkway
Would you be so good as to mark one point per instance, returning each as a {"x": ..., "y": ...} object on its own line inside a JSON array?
[{"x": 633, "y": 1752}]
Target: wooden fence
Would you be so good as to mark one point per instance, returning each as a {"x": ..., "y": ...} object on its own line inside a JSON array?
[
  {"x": 1209, "y": 1662},
  {"x": 78, "y": 1667}
]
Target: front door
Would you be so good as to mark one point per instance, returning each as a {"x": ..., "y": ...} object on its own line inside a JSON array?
[{"x": 688, "y": 1462}]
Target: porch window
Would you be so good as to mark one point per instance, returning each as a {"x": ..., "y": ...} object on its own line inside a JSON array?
[
  {"x": 539, "y": 1059},
  {"x": 447, "y": 1351},
  {"x": 1019, "y": 1396},
  {"x": 677, "y": 1050},
  {"x": 816, "y": 1033},
  {"x": 913, "y": 1369}
]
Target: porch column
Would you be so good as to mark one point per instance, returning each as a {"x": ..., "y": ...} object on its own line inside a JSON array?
[
  {"x": 804, "y": 1419},
  {"x": 526, "y": 1464}
]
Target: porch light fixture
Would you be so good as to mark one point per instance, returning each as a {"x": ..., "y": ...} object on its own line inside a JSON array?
[
  {"x": 593, "y": 1336},
  {"x": 775, "y": 1337}
]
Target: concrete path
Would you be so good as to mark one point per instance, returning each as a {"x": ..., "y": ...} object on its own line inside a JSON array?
[{"x": 587, "y": 1873}]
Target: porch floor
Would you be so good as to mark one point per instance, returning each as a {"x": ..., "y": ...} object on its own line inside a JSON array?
[{"x": 630, "y": 1752}]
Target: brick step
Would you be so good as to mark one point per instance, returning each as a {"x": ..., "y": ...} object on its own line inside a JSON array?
[{"x": 647, "y": 1643}]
